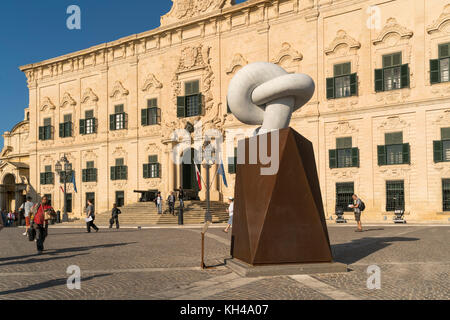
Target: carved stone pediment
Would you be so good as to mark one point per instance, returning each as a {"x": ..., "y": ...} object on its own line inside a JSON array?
[
  {"x": 287, "y": 51},
  {"x": 343, "y": 128},
  {"x": 89, "y": 96},
  {"x": 150, "y": 82},
  {"x": 187, "y": 9},
  {"x": 67, "y": 100},
  {"x": 342, "y": 38},
  {"x": 238, "y": 61},
  {"x": 47, "y": 104},
  {"x": 392, "y": 27},
  {"x": 443, "y": 22},
  {"x": 118, "y": 91}
]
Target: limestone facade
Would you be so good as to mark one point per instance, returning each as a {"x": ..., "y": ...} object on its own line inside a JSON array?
[{"x": 209, "y": 41}]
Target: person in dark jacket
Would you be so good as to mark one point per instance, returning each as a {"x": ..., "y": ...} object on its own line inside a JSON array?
[
  {"x": 114, "y": 216},
  {"x": 171, "y": 201},
  {"x": 181, "y": 197}
]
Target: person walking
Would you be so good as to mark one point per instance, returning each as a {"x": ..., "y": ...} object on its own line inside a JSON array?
[
  {"x": 26, "y": 207},
  {"x": 230, "y": 211},
  {"x": 356, "y": 206},
  {"x": 158, "y": 202},
  {"x": 114, "y": 216},
  {"x": 40, "y": 223},
  {"x": 181, "y": 197},
  {"x": 90, "y": 217},
  {"x": 171, "y": 201}
]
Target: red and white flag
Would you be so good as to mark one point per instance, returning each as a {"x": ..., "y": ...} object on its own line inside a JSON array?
[
  {"x": 199, "y": 177},
  {"x": 62, "y": 190}
]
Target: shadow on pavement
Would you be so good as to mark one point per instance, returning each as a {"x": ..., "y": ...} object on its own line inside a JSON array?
[
  {"x": 47, "y": 284},
  {"x": 358, "y": 249},
  {"x": 38, "y": 260},
  {"x": 53, "y": 252}
]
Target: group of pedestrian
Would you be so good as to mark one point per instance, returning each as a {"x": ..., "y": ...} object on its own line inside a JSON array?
[
  {"x": 171, "y": 199},
  {"x": 10, "y": 219}
]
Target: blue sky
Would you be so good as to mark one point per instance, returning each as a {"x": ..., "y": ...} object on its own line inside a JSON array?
[{"x": 33, "y": 31}]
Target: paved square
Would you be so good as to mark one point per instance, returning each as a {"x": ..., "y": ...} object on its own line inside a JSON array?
[{"x": 163, "y": 263}]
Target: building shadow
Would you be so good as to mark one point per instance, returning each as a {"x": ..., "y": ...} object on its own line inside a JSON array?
[
  {"x": 358, "y": 249},
  {"x": 35, "y": 260},
  {"x": 56, "y": 252},
  {"x": 48, "y": 284}
]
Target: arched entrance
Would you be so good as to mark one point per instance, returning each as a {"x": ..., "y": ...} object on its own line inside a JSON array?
[
  {"x": 187, "y": 173},
  {"x": 9, "y": 193}
]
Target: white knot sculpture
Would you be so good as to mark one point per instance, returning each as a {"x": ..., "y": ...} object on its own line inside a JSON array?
[{"x": 265, "y": 94}]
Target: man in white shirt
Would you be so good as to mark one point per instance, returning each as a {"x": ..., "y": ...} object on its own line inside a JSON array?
[
  {"x": 230, "y": 211},
  {"x": 26, "y": 207}
]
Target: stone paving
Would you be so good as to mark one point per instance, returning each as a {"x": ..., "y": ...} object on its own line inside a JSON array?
[{"x": 164, "y": 263}]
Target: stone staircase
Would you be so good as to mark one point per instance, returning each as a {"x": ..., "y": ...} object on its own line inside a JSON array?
[{"x": 145, "y": 213}]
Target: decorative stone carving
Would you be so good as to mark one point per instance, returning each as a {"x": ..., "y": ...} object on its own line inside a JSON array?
[
  {"x": 47, "y": 104},
  {"x": 342, "y": 38},
  {"x": 393, "y": 123},
  {"x": 392, "y": 27},
  {"x": 67, "y": 100},
  {"x": 118, "y": 91},
  {"x": 442, "y": 23},
  {"x": 343, "y": 128},
  {"x": 287, "y": 51},
  {"x": 238, "y": 61},
  {"x": 345, "y": 173},
  {"x": 89, "y": 96},
  {"x": 151, "y": 81},
  {"x": 185, "y": 9},
  {"x": 443, "y": 118}
]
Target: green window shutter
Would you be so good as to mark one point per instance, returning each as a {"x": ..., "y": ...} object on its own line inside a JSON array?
[
  {"x": 112, "y": 122},
  {"x": 146, "y": 167},
  {"x": 42, "y": 178},
  {"x": 68, "y": 129},
  {"x": 41, "y": 133},
  {"x": 405, "y": 76},
  {"x": 200, "y": 104},
  {"x": 437, "y": 151},
  {"x": 84, "y": 175},
  {"x": 125, "y": 173},
  {"x": 94, "y": 172},
  {"x": 406, "y": 154},
  {"x": 379, "y": 81},
  {"x": 144, "y": 117},
  {"x": 354, "y": 84},
  {"x": 333, "y": 158},
  {"x": 51, "y": 178},
  {"x": 158, "y": 170},
  {"x": 435, "y": 75},
  {"x": 381, "y": 155},
  {"x": 355, "y": 157},
  {"x": 61, "y": 130},
  {"x": 82, "y": 126},
  {"x": 231, "y": 168},
  {"x": 330, "y": 88},
  {"x": 444, "y": 50},
  {"x": 181, "y": 107},
  {"x": 113, "y": 173},
  {"x": 94, "y": 124}
]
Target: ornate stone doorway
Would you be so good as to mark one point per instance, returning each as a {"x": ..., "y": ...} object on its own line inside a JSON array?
[
  {"x": 11, "y": 194},
  {"x": 187, "y": 173}
]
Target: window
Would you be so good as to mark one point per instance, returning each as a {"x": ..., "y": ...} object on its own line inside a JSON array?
[
  {"x": 69, "y": 202},
  {"x": 394, "y": 151},
  {"x": 88, "y": 124},
  {"x": 119, "y": 171},
  {"x": 90, "y": 196},
  {"x": 120, "y": 198},
  {"x": 69, "y": 176},
  {"x": 440, "y": 68},
  {"x": 152, "y": 169},
  {"x": 446, "y": 194},
  {"x": 395, "y": 195},
  {"x": 191, "y": 104},
  {"x": 393, "y": 75},
  {"x": 344, "y": 192},
  {"x": 344, "y": 83},
  {"x": 232, "y": 163},
  {"x": 152, "y": 114},
  {"x": 344, "y": 156},
  {"x": 65, "y": 128},
  {"x": 90, "y": 173},
  {"x": 441, "y": 148},
  {"x": 47, "y": 177},
  {"x": 46, "y": 131},
  {"x": 118, "y": 120}
]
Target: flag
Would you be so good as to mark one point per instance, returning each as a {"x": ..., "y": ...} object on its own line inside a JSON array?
[
  {"x": 199, "y": 179},
  {"x": 74, "y": 184},
  {"x": 222, "y": 173},
  {"x": 62, "y": 190}
]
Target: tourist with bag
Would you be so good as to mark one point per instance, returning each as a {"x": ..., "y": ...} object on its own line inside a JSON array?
[
  {"x": 114, "y": 216},
  {"x": 358, "y": 206},
  {"x": 44, "y": 212}
]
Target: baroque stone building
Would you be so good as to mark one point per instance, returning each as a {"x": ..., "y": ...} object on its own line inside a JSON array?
[{"x": 379, "y": 118}]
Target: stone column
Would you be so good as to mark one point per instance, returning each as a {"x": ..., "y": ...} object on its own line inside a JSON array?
[
  {"x": 171, "y": 168},
  {"x": 2, "y": 198}
]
